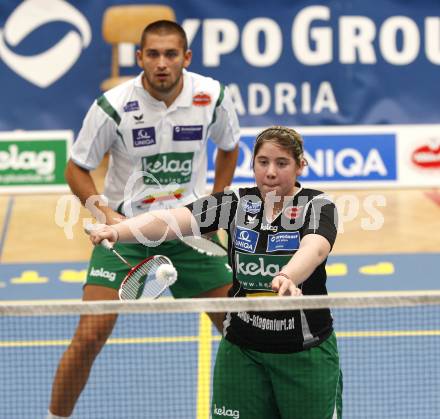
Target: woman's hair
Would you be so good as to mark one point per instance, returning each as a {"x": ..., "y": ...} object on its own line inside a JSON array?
[{"x": 285, "y": 138}]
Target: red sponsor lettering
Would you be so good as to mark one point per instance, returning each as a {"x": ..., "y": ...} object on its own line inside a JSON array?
[
  {"x": 426, "y": 157},
  {"x": 201, "y": 99}
]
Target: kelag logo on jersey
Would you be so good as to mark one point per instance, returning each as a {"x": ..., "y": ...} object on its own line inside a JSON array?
[
  {"x": 187, "y": 133},
  {"x": 255, "y": 272},
  {"x": 168, "y": 168},
  {"x": 283, "y": 241},
  {"x": 246, "y": 239},
  {"x": 144, "y": 136}
]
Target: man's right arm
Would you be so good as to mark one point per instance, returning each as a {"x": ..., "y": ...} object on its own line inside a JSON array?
[{"x": 82, "y": 185}]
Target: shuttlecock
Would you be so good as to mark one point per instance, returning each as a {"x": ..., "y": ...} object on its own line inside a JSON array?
[{"x": 166, "y": 273}]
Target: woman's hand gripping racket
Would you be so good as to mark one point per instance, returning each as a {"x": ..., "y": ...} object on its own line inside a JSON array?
[{"x": 148, "y": 279}]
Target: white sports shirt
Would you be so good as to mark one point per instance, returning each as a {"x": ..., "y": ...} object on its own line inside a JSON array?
[{"x": 157, "y": 154}]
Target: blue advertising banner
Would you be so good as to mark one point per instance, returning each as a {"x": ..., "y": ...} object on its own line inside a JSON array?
[
  {"x": 294, "y": 63},
  {"x": 365, "y": 156},
  {"x": 361, "y": 157}
]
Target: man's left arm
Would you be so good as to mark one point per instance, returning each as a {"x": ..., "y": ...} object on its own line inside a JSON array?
[
  {"x": 226, "y": 135},
  {"x": 224, "y": 168}
]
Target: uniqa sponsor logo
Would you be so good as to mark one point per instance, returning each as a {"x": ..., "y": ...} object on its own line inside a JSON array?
[
  {"x": 347, "y": 162},
  {"x": 222, "y": 411},
  {"x": 244, "y": 240},
  {"x": 254, "y": 269},
  {"x": 111, "y": 276},
  {"x": 244, "y": 245},
  {"x": 42, "y": 162},
  {"x": 143, "y": 134},
  {"x": 244, "y": 235},
  {"x": 163, "y": 165}
]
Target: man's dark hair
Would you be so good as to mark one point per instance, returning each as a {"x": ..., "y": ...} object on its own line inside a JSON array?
[{"x": 165, "y": 27}]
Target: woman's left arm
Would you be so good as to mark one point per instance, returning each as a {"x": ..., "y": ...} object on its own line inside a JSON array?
[{"x": 312, "y": 251}]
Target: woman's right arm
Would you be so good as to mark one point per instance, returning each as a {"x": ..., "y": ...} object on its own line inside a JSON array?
[{"x": 149, "y": 228}]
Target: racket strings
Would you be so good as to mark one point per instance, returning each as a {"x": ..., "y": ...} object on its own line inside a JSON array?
[{"x": 142, "y": 280}]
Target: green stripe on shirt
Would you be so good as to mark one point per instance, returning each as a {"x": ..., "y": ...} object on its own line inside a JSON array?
[
  {"x": 218, "y": 103},
  {"x": 221, "y": 95},
  {"x": 105, "y": 105}
]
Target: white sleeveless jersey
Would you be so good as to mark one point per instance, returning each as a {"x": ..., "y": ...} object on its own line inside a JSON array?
[{"x": 157, "y": 154}]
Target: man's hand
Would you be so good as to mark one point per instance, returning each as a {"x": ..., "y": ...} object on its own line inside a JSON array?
[
  {"x": 83, "y": 186},
  {"x": 111, "y": 216}
]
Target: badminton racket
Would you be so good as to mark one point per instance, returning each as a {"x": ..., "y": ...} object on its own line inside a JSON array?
[
  {"x": 148, "y": 279},
  {"x": 205, "y": 246}
]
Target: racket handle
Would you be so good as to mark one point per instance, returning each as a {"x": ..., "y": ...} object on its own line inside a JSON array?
[
  {"x": 88, "y": 228},
  {"x": 105, "y": 243}
]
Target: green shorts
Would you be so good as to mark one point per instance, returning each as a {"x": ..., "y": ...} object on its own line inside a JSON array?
[
  {"x": 256, "y": 385},
  {"x": 197, "y": 273}
]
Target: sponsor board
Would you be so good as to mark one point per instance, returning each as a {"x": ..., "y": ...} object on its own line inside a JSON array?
[
  {"x": 419, "y": 154},
  {"x": 292, "y": 66},
  {"x": 356, "y": 156},
  {"x": 34, "y": 161},
  {"x": 350, "y": 157}
]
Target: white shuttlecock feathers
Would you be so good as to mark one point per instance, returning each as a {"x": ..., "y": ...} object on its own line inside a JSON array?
[{"x": 166, "y": 273}]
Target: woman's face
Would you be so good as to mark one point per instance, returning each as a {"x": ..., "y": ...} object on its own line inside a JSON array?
[{"x": 275, "y": 170}]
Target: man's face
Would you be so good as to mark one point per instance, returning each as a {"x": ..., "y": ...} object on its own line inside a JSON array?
[{"x": 162, "y": 58}]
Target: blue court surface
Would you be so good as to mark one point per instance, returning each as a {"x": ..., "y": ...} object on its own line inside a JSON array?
[
  {"x": 158, "y": 366},
  {"x": 384, "y": 272}
]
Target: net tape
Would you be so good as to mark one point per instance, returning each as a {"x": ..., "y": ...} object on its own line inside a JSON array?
[{"x": 216, "y": 305}]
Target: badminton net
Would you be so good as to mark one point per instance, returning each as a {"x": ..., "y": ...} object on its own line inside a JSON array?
[{"x": 158, "y": 361}]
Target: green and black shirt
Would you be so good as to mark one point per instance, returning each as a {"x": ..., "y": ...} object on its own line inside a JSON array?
[{"x": 258, "y": 249}]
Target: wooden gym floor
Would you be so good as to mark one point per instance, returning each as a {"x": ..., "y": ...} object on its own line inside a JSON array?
[{"x": 32, "y": 231}]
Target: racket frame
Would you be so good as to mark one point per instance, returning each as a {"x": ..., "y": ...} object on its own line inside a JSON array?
[
  {"x": 134, "y": 268},
  {"x": 203, "y": 251}
]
